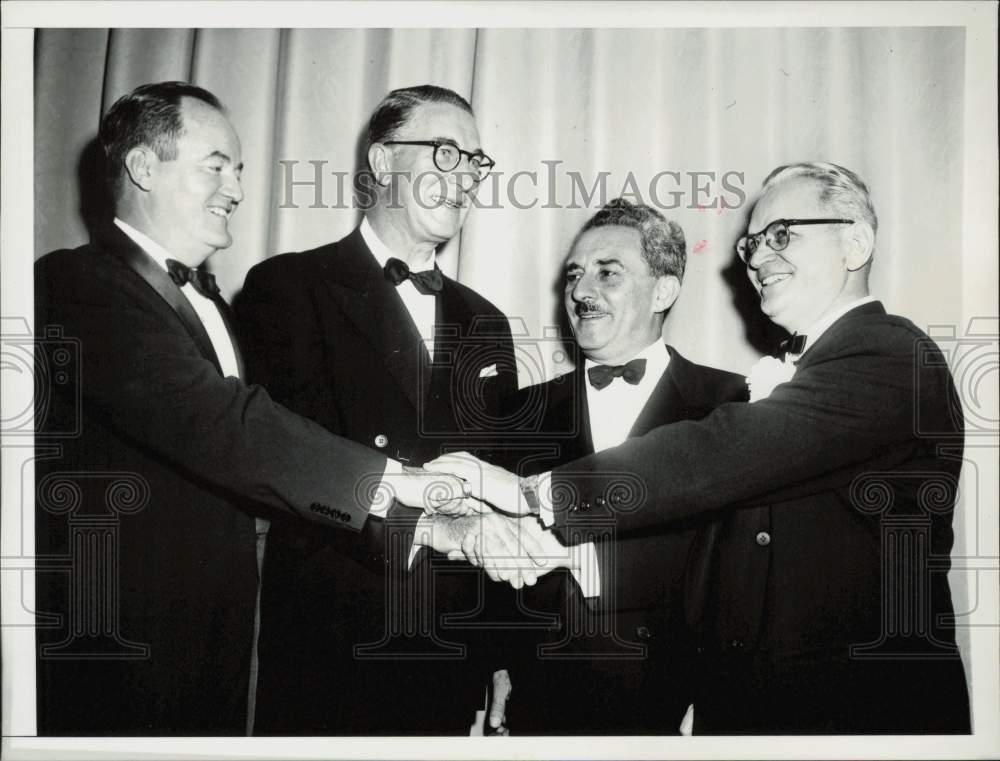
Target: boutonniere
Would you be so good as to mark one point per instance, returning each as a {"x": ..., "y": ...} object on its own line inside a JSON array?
[{"x": 766, "y": 374}]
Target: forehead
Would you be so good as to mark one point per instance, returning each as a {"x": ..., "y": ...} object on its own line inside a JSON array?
[
  {"x": 207, "y": 130},
  {"x": 610, "y": 242},
  {"x": 796, "y": 198},
  {"x": 431, "y": 120}
]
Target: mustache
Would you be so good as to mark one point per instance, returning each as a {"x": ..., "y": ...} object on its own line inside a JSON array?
[{"x": 586, "y": 307}]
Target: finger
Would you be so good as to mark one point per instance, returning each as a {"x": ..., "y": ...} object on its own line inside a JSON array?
[
  {"x": 529, "y": 543},
  {"x": 455, "y": 555},
  {"x": 498, "y": 711}
]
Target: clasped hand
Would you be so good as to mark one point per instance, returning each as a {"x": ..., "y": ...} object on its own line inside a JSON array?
[{"x": 509, "y": 546}]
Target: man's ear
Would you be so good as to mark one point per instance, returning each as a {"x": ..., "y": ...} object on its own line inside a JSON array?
[
  {"x": 860, "y": 246},
  {"x": 668, "y": 288},
  {"x": 141, "y": 164},
  {"x": 380, "y": 160}
]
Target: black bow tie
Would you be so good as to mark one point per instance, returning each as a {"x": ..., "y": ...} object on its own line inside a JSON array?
[
  {"x": 794, "y": 345},
  {"x": 203, "y": 282},
  {"x": 631, "y": 372},
  {"x": 428, "y": 282}
]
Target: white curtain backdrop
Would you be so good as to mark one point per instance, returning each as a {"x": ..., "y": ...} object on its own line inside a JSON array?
[{"x": 887, "y": 103}]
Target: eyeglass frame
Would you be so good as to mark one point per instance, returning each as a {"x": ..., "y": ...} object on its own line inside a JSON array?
[
  {"x": 745, "y": 239},
  {"x": 437, "y": 145}
]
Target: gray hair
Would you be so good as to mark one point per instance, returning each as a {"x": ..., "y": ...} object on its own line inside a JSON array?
[{"x": 840, "y": 189}]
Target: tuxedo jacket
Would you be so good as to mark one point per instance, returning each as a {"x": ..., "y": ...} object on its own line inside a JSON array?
[
  {"x": 343, "y": 622},
  {"x": 825, "y": 604},
  {"x": 147, "y": 458},
  {"x": 626, "y": 658}
]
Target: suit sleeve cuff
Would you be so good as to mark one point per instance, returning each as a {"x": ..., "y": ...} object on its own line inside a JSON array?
[
  {"x": 392, "y": 468},
  {"x": 545, "y": 511}
]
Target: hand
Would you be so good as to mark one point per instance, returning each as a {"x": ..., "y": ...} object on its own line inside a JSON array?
[
  {"x": 499, "y": 695},
  {"x": 499, "y": 545},
  {"x": 486, "y": 482},
  {"x": 433, "y": 492}
]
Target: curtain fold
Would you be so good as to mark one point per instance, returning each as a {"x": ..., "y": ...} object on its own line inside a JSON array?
[{"x": 573, "y": 117}]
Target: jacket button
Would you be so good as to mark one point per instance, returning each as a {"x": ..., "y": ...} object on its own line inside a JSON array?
[
  {"x": 617, "y": 497},
  {"x": 763, "y": 538},
  {"x": 736, "y": 644},
  {"x": 643, "y": 632},
  {"x": 584, "y": 505},
  {"x": 381, "y": 441},
  {"x": 599, "y": 501}
]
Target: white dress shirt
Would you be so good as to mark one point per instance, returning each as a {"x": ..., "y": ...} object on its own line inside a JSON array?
[
  {"x": 206, "y": 310},
  {"x": 615, "y": 408},
  {"x": 420, "y": 306}
]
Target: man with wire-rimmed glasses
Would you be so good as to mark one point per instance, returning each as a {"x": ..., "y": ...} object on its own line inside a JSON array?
[{"x": 367, "y": 337}]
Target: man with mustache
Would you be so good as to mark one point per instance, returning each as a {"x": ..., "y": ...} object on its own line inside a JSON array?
[
  {"x": 367, "y": 337},
  {"x": 826, "y": 607},
  {"x": 154, "y": 455},
  {"x": 627, "y": 667}
]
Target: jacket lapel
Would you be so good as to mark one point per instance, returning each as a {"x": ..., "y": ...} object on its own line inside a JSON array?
[
  {"x": 666, "y": 403},
  {"x": 374, "y": 307},
  {"x": 572, "y": 406},
  {"x": 118, "y": 243}
]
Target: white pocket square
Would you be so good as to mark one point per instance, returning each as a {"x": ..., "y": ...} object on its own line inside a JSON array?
[{"x": 488, "y": 372}]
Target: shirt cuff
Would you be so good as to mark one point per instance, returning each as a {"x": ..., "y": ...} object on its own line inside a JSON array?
[
  {"x": 392, "y": 468},
  {"x": 585, "y": 569},
  {"x": 545, "y": 511}
]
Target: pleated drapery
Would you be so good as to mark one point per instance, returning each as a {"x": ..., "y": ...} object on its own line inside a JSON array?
[{"x": 653, "y": 113}]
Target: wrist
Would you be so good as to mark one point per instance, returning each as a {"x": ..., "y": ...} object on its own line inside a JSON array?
[{"x": 528, "y": 486}]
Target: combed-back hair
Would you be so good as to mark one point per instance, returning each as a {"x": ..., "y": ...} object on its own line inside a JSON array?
[
  {"x": 663, "y": 244},
  {"x": 841, "y": 190},
  {"x": 150, "y": 115}
]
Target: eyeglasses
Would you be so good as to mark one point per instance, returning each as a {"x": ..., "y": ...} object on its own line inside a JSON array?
[
  {"x": 447, "y": 156},
  {"x": 776, "y": 235}
]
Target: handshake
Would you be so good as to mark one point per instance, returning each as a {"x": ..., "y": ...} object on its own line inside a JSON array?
[{"x": 477, "y": 512}]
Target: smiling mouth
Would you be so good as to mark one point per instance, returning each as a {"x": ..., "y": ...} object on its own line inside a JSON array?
[
  {"x": 221, "y": 211},
  {"x": 779, "y": 277},
  {"x": 447, "y": 203}
]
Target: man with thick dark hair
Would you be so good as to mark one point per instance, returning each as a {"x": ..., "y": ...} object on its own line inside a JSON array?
[
  {"x": 152, "y": 448},
  {"x": 367, "y": 337},
  {"x": 627, "y": 665}
]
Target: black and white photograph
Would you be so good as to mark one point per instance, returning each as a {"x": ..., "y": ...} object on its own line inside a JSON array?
[{"x": 447, "y": 380}]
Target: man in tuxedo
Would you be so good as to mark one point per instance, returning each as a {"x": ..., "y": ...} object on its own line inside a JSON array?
[
  {"x": 627, "y": 666},
  {"x": 151, "y": 448},
  {"x": 368, "y": 338},
  {"x": 825, "y": 605}
]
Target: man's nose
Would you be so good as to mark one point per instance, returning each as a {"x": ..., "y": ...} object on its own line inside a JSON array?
[
  {"x": 465, "y": 177},
  {"x": 583, "y": 289},
  {"x": 763, "y": 253},
  {"x": 233, "y": 188}
]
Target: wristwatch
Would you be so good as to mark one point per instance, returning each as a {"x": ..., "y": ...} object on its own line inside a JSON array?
[{"x": 529, "y": 489}]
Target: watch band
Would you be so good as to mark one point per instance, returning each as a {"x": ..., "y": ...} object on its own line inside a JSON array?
[{"x": 529, "y": 489}]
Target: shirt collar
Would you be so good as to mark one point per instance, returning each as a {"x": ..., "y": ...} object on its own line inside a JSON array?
[
  {"x": 383, "y": 253},
  {"x": 821, "y": 325},
  {"x": 157, "y": 252},
  {"x": 656, "y": 355}
]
